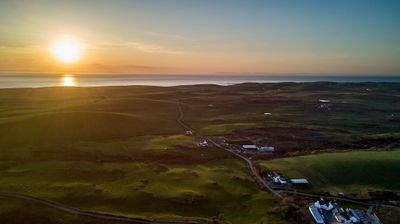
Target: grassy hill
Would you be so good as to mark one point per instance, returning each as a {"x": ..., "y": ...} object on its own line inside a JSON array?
[
  {"x": 119, "y": 149},
  {"x": 350, "y": 172}
]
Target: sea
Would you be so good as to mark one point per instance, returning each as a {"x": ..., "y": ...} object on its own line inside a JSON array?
[{"x": 53, "y": 80}]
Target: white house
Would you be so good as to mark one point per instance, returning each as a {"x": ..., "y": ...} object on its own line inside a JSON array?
[
  {"x": 276, "y": 178},
  {"x": 280, "y": 180},
  {"x": 203, "y": 143},
  {"x": 323, "y": 204}
]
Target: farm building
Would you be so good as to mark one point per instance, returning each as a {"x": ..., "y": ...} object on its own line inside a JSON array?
[
  {"x": 276, "y": 178},
  {"x": 325, "y": 212},
  {"x": 203, "y": 143},
  {"x": 249, "y": 147},
  {"x": 266, "y": 148},
  {"x": 316, "y": 215},
  {"x": 299, "y": 181},
  {"x": 189, "y": 132},
  {"x": 366, "y": 217}
]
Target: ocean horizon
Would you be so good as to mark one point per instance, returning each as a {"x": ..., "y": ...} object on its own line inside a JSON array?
[{"x": 54, "y": 80}]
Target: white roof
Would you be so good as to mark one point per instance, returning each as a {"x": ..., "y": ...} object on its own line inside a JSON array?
[
  {"x": 324, "y": 101},
  {"x": 317, "y": 216},
  {"x": 271, "y": 148},
  {"x": 299, "y": 181},
  {"x": 249, "y": 146}
]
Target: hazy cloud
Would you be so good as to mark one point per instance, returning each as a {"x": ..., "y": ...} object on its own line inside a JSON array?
[
  {"x": 103, "y": 67},
  {"x": 151, "y": 48},
  {"x": 169, "y": 36}
]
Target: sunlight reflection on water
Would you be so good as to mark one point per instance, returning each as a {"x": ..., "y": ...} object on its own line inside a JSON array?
[{"x": 68, "y": 80}]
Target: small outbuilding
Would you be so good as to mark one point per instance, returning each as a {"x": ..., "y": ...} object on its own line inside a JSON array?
[
  {"x": 189, "y": 132},
  {"x": 266, "y": 148},
  {"x": 249, "y": 147},
  {"x": 203, "y": 143},
  {"x": 299, "y": 181}
]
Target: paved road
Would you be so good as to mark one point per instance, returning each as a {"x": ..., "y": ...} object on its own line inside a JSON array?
[
  {"x": 253, "y": 171},
  {"x": 258, "y": 178},
  {"x": 97, "y": 215},
  {"x": 339, "y": 199}
]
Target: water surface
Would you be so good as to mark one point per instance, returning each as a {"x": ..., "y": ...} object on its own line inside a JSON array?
[{"x": 45, "y": 80}]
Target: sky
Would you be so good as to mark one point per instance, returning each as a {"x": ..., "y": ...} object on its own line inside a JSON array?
[{"x": 341, "y": 37}]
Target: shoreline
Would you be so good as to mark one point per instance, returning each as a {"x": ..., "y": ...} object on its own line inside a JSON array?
[{"x": 45, "y": 80}]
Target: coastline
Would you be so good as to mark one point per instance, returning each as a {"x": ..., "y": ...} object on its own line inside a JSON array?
[{"x": 54, "y": 80}]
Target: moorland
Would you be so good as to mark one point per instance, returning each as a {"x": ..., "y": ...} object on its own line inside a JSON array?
[{"x": 120, "y": 150}]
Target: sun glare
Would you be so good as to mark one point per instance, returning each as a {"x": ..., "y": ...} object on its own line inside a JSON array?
[
  {"x": 67, "y": 51},
  {"x": 68, "y": 80}
]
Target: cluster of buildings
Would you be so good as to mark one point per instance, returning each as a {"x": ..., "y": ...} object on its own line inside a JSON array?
[
  {"x": 327, "y": 212},
  {"x": 278, "y": 179},
  {"x": 202, "y": 143},
  {"x": 259, "y": 148}
]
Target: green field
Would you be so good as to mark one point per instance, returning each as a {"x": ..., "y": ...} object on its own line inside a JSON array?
[
  {"x": 17, "y": 211},
  {"x": 354, "y": 173},
  {"x": 120, "y": 150}
]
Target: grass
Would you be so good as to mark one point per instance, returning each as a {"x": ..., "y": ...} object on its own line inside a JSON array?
[
  {"x": 350, "y": 172},
  {"x": 369, "y": 117},
  {"x": 119, "y": 149},
  {"x": 144, "y": 189},
  {"x": 17, "y": 211}
]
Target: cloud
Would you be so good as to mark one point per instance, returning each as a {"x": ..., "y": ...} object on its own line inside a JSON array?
[
  {"x": 124, "y": 68},
  {"x": 151, "y": 48},
  {"x": 133, "y": 66},
  {"x": 141, "y": 67},
  {"x": 169, "y": 36}
]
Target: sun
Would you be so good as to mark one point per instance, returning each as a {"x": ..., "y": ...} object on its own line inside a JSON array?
[{"x": 67, "y": 51}]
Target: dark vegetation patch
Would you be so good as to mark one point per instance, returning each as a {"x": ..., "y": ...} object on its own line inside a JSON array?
[
  {"x": 350, "y": 115},
  {"x": 293, "y": 139}
]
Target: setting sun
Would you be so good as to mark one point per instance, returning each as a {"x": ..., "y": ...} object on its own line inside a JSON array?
[{"x": 67, "y": 51}]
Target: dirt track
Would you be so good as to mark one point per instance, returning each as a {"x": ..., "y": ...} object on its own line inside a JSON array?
[{"x": 97, "y": 215}]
